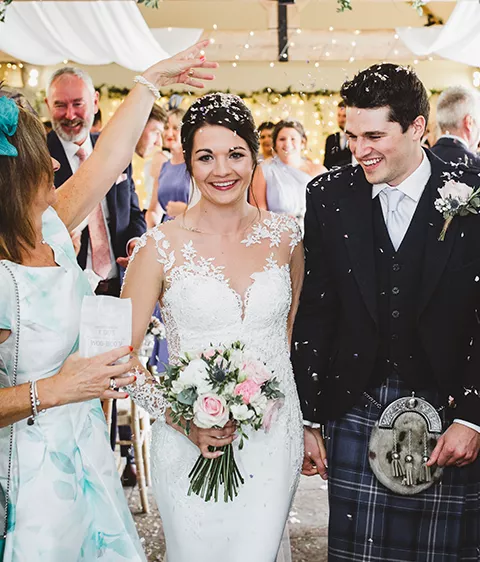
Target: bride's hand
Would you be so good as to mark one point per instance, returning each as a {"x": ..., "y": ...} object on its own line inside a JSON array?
[
  {"x": 182, "y": 68},
  {"x": 205, "y": 438}
]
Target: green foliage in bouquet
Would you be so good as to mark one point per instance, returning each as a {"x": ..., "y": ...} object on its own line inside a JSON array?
[{"x": 210, "y": 388}]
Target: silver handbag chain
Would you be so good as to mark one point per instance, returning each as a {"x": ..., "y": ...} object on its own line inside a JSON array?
[{"x": 14, "y": 383}]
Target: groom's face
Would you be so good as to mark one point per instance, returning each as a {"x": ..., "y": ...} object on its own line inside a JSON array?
[{"x": 382, "y": 149}]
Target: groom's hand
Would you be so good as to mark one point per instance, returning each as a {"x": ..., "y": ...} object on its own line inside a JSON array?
[
  {"x": 458, "y": 446},
  {"x": 315, "y": 456}
]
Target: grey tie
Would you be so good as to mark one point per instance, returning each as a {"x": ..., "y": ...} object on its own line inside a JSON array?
[{"x": 396, "y": 222}]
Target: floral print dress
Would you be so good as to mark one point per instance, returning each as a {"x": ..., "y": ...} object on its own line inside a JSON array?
[{"x": 66, "y": 500}]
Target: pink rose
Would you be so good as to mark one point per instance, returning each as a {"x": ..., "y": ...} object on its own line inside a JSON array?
[
  {"x": 210, "y": 410},
  {"x": 209, "y": 353},
  {"x": 256, "y": 371},
  {"x": 246, "y": 389},
  {"x": 270, "y": 413}
]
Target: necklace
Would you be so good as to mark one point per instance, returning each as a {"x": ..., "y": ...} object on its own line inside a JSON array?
[{"x": 199, "y": 231}]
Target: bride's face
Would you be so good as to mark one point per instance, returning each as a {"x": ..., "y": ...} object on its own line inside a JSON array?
[{"x": 222, "y": 164}]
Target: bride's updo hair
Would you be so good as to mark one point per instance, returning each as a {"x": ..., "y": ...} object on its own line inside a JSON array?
[{"x": 225, "y": 110}]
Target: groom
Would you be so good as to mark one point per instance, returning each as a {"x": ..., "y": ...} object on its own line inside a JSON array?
[{"x": 387, "y": 309}]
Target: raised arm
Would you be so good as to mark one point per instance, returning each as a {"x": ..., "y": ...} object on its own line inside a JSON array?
[{"x": 80, "y": 194}]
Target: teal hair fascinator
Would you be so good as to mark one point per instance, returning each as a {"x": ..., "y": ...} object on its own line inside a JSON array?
[{"x": 8, "y": 125}]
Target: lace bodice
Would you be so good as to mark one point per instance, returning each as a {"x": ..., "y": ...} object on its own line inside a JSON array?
[
  {"x": 201, "y": 306},
  {"x": 216, "y": 291}
]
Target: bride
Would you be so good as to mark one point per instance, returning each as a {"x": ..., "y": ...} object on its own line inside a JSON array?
[{"x": 223, "y": 271}]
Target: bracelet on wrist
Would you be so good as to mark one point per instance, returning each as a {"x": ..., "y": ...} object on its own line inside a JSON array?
[
  {"x": 34, "y": 403},
  {"x": 144, "y": 82}
]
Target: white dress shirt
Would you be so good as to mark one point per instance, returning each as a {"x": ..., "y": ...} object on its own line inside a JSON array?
[
  {"x": 413, "y": 188},
  {"x": 71, "y": 150}
]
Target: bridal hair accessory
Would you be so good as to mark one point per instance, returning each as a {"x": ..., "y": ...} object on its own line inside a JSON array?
[
  {"x": 144, "y": 82},
  {"x": 401, "y": 443},
  {"x": 456, "y": 198},
  {"x": 8, "y": 125},
  {"x": 213, "y": 103}
]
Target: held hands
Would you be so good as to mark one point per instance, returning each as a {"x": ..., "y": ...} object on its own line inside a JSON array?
[
  {"x": 82, "y": 379},
  {"x": 315, "y": 455},
  {"x": 180, "y": 69},
  {"x": 205, "y": 438},
  {"x": 458, "y": 446}
]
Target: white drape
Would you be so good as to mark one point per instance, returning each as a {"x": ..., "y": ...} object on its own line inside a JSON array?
[
  {"x": 89, "y": 33},
  {"x": 458, "y": 39}
]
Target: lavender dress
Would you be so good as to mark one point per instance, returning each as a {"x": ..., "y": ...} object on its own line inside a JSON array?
[{"x": 173, "y": 185}]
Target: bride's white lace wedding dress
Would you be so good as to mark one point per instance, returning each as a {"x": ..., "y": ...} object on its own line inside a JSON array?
[{"x": 201, "y": 308}]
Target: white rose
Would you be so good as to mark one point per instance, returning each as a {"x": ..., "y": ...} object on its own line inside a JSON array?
[
  {"x": 194, "y": 374},
  {"x": 259, "y": 403},
  {"x": 241, "y": 412},
  {"x": 210, "y": 410},
  {"x": 236, "y": 358},
  {"x": 456, "y": 190},
  {"x": 177, "y": 386}
]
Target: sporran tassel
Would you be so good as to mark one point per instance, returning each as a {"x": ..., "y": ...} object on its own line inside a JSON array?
[
  {"x": 409, "y": 462},
  {"x": 397, "y": 468},
  {"x": 426, "y": 472}
]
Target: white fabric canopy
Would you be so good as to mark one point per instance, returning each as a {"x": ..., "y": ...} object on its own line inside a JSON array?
[
  {"x": 458, "y": 39},
  {"x": 89, "y": 33}
]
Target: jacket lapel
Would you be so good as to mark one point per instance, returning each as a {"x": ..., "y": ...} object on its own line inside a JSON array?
[
  {"x": 57, "y": 151},
  {"x": 356, "y": 212},
  {"x": 436, "y": 252}
]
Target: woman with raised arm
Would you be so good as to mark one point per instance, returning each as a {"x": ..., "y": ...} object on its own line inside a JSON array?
[
  {"x": 223, "y": 271},
  {"x": 59, "y": 490}
]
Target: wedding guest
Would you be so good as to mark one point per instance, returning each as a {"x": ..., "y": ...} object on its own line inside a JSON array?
[
  {"x": 279, "y": 184},
  {"x": 108, "y": 235},
  {"x": 58, "y": 480},
  {"x": 151, "y": 147},
  {"x": 337, "y": 153},
  {"x": 265, "y": 132},
  {"x": 174, "y": 183},
  {"x": 112, "y": 229},
  {"x": 97, "y": 124},
  {"x": 389, "y": 308},
  {"x": 458, "y": 117}
]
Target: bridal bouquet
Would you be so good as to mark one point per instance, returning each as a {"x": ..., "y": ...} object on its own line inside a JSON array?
[{"x": 211, "y": 387}]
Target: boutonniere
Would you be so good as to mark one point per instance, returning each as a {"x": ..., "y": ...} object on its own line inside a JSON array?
[{"x": 456, "y": 198}]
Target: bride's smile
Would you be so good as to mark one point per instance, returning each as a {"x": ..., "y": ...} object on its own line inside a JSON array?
[{"x": 222, "y": 165}]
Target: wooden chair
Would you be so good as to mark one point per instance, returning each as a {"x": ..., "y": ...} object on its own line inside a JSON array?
[{"x": 139, "y": 421}]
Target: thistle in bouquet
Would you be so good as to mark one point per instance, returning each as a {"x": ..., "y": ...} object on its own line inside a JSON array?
[{"x": 211, "y": 387}]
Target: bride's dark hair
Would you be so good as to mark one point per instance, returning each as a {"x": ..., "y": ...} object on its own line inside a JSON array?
[{"x": 225, "y": 110}]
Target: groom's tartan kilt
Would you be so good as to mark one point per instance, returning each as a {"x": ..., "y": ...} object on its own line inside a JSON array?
[{"x": 368, "y": 523}]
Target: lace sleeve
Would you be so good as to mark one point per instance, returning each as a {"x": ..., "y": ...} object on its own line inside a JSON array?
[{"x": 146, "y": 394}]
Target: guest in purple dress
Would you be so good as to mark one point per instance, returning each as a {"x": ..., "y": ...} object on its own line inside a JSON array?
[
  {"x": 174, "y": 183},
  {"x": 170, "y": 200}
]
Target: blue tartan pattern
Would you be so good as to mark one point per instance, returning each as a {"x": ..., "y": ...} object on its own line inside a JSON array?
[{"x": 368, "y": 523}]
